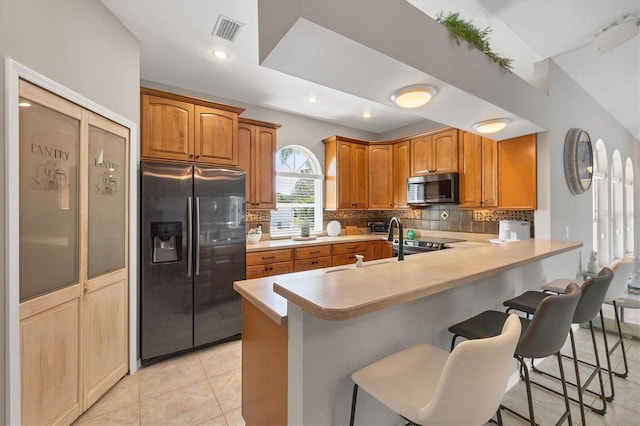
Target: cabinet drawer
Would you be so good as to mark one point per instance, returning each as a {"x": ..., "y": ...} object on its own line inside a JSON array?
[
  {"x": 350, "y": 248},
  {"x": 312, "y": 252},
  {"x": 344, "y": 259},
  {"x": 255, "y": 272},
  {"x": 278, "y": 268},
  {"x": 268, "y": 256},
  {"x": 308, "y": 264}
]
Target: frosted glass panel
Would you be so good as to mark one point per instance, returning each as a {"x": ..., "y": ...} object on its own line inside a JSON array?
[
  {"x": 107, "y": 191},
  {"x": 49, "y": 142}
]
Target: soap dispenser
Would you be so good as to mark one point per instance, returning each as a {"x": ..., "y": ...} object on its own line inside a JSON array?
[{"x": 359, "y": 263}]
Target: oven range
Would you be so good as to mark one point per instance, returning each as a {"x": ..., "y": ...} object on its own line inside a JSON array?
[{"x": 423, "y": 246}]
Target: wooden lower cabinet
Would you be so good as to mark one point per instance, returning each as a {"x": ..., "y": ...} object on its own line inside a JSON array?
[
  {"x": 312, "y": 257},
  {"x": 269, "y": 262},
  {"x": 379, "y": 250},
  {"x": 264, "y": 368},
  {"x": 283, "y": 261},
  {"x": 345, "y": 253}
]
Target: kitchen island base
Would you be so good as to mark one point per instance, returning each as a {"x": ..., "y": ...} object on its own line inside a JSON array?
[
  {"x": 323, "y": 354},
  {"x": 339, "y": 320}
]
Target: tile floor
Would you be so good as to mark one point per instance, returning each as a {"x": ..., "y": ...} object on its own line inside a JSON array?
[
  {"x": 198, "y": 388},
  {"x": 203, "y": 388}
]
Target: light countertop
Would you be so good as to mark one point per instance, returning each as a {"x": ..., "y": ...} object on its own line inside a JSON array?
[
  {"x": 289, "y": 243},
  {"x": 349, "y": 292}
]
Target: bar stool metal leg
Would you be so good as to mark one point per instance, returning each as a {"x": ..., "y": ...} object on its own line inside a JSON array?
[
  {"x": 619, "y": 342},
  {"x": 581, "y": 386},
  {"x": 354, "y": 399}
]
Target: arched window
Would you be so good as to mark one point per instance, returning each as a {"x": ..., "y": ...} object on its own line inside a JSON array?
[
  {"x": 629, "y": 228},
  {"x": 298, "y": 192},
  {"x": 617, "y": 207},
  {"x": 601, "y": 203}
]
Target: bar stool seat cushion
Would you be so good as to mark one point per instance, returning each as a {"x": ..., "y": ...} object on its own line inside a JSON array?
[
  {"x": 427, "y": 385},
  {"x": 559, "y": 285},
  {"x": 410, "y": 378},
  {"x": 485, "y": 324},
  {"x": 527, "y": 302}
]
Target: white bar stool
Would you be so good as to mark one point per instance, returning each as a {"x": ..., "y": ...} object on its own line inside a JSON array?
[{"x": 427, "y": 385}]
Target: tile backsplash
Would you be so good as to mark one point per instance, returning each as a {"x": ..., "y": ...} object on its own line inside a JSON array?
[{"x": 441, "y": 217}]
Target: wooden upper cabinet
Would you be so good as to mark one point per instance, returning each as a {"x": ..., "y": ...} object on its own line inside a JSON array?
[
  {"x": 517, "y": 173},
  {"x": 478, "y": 171},
  {"x": 401, "y": 171},
  {"x": 216, "y": 136},
  {"x": 167, "y": 128},
  {"x": 245, "y": 136},
  {"x": 176, "y": 127},
  {"x": 435, "y": 153},
  {"x": 422, "y": 161},
  {"x": 489, "y": 173},
  {"x": 257, "y": 147},
  {"x": 381, "y": 176},
  {"x": 346, "y": 173},
  {"x": 445, "y": 145}
]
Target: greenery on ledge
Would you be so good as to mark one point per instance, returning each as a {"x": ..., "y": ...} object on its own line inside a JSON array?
[{"x": 465, "y": 30}]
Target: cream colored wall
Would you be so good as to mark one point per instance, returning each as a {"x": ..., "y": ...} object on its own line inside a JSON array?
[{"x": 81, "y": 46}]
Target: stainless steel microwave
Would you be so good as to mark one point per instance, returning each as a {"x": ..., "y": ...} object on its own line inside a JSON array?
[{"x": 433, "y": 189}]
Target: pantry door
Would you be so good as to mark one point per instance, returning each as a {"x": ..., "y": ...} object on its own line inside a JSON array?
[
  {"x": 105, "y": 325},
  {"x": 50, "y": 266},
  {"x": 73, "y": 256}
]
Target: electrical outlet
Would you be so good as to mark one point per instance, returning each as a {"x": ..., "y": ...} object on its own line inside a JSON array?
[{"x": 566, "y": 232}]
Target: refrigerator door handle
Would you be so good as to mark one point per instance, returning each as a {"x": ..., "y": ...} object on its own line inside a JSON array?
[
  {"x": 198, "y": 235},
  {"x": 189, "y": 236}
]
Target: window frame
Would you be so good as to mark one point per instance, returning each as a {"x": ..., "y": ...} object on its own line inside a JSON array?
[{"x": 318, "y": 205}]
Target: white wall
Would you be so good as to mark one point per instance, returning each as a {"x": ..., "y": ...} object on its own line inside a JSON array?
[
  {"x": 81, "y": 46},
  {"x": 571, "y": 106}
]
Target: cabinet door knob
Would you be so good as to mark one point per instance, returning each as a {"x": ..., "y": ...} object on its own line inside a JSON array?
[
  {"x": 190, "y": 155},
  {"x": 197, "y": 156}
]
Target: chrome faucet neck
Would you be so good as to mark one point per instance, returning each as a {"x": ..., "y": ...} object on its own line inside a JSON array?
[{"x": 400, "y": 236}]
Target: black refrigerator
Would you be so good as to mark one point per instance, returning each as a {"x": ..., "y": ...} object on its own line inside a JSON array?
[{"x": 192, "y": 250}]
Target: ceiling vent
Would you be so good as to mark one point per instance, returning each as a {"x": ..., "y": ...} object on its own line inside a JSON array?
[{"x": 227, "y": 28}]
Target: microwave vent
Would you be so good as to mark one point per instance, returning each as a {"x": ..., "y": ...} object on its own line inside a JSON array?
[{"x": 227, "y": 28}]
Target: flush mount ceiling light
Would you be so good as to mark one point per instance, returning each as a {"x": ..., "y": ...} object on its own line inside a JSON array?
[
  {"x": 413, "y": 96},
  {"x": 220, "y": 54},
  {"x": 616, "y": 33},
  {"x": 312, "y": 99},
  {"x": 491, "y": 126},
  {"x": 366, "y": 114}
]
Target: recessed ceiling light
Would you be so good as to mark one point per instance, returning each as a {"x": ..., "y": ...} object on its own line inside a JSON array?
[
  {"x": 366, "y": 114},
  {"x": 24, "y": 103},
  {"x": 220, "y": 54},
  {"x": 413, "y": 96},
  {"x": 312, "y": 99},
  {"x": 491, "y": 126}
]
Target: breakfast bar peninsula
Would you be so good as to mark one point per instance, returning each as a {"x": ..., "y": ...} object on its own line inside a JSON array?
[{"x": 305, "y": 333}]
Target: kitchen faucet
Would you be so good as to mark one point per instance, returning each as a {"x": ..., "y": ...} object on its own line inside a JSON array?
[{"x": 390, "y": 236}]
